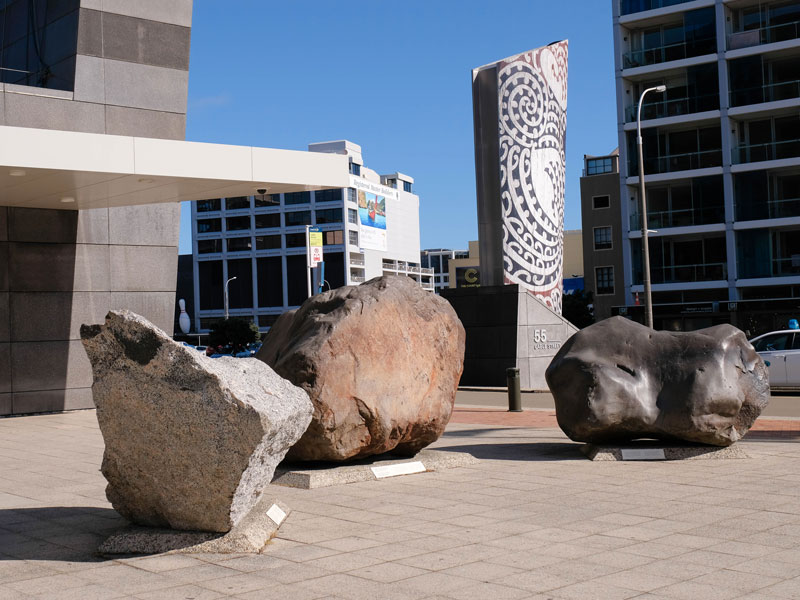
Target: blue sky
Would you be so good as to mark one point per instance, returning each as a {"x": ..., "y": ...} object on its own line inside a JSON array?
[{"x": 394, "y": 77}]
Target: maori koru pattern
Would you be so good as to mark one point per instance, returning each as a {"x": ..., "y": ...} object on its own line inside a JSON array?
[{"x": 533, "y": 123}]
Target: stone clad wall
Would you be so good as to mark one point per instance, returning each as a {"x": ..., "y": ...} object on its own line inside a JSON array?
[{"x": 59, "y": 269}]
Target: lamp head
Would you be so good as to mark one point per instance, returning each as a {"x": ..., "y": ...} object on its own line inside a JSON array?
[{"x": 661, "y": 88}]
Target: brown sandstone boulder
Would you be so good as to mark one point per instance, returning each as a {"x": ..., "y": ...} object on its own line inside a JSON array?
[{"x": 381, "y": 363}]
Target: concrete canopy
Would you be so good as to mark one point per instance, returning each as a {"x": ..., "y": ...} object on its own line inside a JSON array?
[{"x": 68, "y": 170}]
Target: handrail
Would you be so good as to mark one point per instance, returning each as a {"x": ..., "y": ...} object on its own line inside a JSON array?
[
  {"x": 678, "y": 162},
  {"x": 764, "y": 35},
  {"x": 627, "y": 7},
  {"x": 783, "y": 90},
  {"x": 747, "y": 153},
  {"x": 659, "y": 54},
  {"x": 670, "y": 108},
  {"x": 671, "y": 218},
  {"x": 691, "y": 272}
]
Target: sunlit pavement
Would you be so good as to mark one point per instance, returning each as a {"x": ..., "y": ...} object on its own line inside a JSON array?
[{"x": 533, "y": 519}]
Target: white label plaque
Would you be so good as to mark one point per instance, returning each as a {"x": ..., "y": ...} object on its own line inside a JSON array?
[
  {"x": 276, "y": 514},
  {"x": 398, "y": 469},
  {"x": 643, "y": 454}
]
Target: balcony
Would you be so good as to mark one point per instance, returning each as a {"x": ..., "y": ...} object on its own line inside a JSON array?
[
  {"x": 668, "y": 52},
  {"x": 356, "y": 262},
  {"x": 764, "y": 35},
  {"x": 685, "y": 273},
  {"x": 673, "y": 108},
  {"x": 784, "y": 90},
  {"x": 677, "y": 162},
  {"x": 771, "y": 209},
  {"x": 356, "y": 278},
  {"x": 627, "y": 7},
  {"x": 769, "y": 151},
  {"x": 680, "y": 218},
  {"x": 786, "y": 267}
]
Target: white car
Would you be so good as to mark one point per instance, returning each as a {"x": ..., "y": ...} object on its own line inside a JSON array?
[{"x": 781, "y": 351}]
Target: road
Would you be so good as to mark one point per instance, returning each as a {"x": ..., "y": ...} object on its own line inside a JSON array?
[{"x": 781, "y": 404}]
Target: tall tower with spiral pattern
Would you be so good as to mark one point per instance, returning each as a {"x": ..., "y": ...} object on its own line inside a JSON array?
[{"x": 520, "y": 120}]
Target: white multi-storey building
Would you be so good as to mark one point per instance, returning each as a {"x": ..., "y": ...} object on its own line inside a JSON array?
[
  {"x": 370, "y": 228},
  {"x": 438, "y": 259},
  {"x": 721, "y": 158}
]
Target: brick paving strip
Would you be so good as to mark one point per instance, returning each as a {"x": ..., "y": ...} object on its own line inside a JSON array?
[{"x": 546, "y": 419}]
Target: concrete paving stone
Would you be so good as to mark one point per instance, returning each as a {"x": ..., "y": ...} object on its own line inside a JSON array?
[
  {"x": 284, "y": 592},
  {"x": 580, "y": 570},
  {"x": 237, "y": 584},
  {"x": 165, "y": 562},
  {"x": 436, "y": 582},
  {"x": 636, "y": 580},
  {"x": 766, "y": 538},
  {"x": 196, "y": 574},
  {"x": 482, "y": 571},
  {"x": 654, "y": 550},
  {"x": 712, "y": 559},
  {"x": 388, "y": 572},
  {"x": 594, "y": 591},
  {"x": 301, "y": 552},
  {"x": 256, "y": 562},
  {"x": 786, "y": 589},
  {"x": 605, "y": 542},
  {"x": 688, "y": 590},
  {"x": 349, "y": 544},
  {"x": 434, "y": 542},
  {"x": 736, "y": 580},
  {"x": 356, "y": 588},
  {"x": 481, "y": 591},
  {"x": 742, "y": 549},
  {"x": 47, "y": 584},
  {"x": 535, "y": 580},
  {"x": 391, "y": 552},
  {"x": 695, "y": 542},
  {"x": 181, "y": 592},
  {"x": 344, "y": 562},
  {"x": 618, "y": 559}
]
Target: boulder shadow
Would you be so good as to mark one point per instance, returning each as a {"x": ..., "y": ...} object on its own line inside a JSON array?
[
  {"x": 521, "y": 451},
  {"x": 58, "y": 533}
]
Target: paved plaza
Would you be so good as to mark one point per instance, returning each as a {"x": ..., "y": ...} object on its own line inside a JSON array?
[{"x": 532, "y": 519}]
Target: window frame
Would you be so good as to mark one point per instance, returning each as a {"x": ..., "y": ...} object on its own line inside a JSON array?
[
  {"x": 594, "y": 202},
  {"x": 613, "y": 282},
  {"x": 610, "y": 237}
]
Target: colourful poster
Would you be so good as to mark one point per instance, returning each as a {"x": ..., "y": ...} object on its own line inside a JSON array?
[{"x": 372, "y": 218}]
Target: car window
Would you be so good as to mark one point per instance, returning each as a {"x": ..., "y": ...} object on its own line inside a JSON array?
[
  {"x": 771, "y": 343},
  {"x": 796, "y": 345}
]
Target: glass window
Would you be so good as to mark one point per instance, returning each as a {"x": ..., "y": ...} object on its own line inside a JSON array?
[
  {"x": 331, "y": 195},
  {"x": 209, "y": 246},
  {"x": 772, "y": 343},
  {"x": 237, "y": 223},
  {"x": 301, "y": 217},
  {"x": 268, "y": 220},
  {"x": 295, "y": 240},
  {"x": 598, "y": 166},
  {"x": 209, "y": 274},
  {"x": 352, "y": 238},
  {"x": 209, "y": 225},
  {"x": 243, "y": 244},
  {"x": 601, "y": 201},
  {"x": 296, "y": 198},
  {"x": 604, "y": 280},
  {"x": 270, "y": 283},
  {"x": 352, "y": 196},
  {"x": 329, "y": 215},
  {"x": 602, "y": 238},
  {"x": 407, "y": 186},
  {"x": 208, "y": 205},
  {"x": 240, "y": 290},
  {"x": 268, "y": 242},
  {"x": 267, "y": 200},
  {"x": 237, "y": 203},
  {"x": 332, "y": 238},
  {"x": 355, "y": 169},
  {"x": 352, "y": 215}
]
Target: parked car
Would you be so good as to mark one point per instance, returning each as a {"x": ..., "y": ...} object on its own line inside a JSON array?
[
  {"x": 201, "y": 349},
  {"x": 781, "y": 351}
]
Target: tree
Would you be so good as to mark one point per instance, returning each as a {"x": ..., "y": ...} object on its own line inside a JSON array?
[
  {"x": 235, "y": 332},
  {"x": 577, "y": 308}
]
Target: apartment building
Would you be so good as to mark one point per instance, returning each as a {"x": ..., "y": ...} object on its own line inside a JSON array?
[
  {"x": 260, "y": 240},
  {"x": 438, "y": 259},
  {"x": 721, "y": 152}
]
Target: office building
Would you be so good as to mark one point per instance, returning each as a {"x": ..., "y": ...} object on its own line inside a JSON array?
[
  {"x": 438, "y": 259},
  {"x": 92, "y": 170},
  {"x": 369, "y": 228},
  {"x": 601, "y": 221},
  {"x": 721, "y": 159}
]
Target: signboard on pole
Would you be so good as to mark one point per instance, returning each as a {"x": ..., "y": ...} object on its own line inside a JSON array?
[{"x": 314, "y": 246}]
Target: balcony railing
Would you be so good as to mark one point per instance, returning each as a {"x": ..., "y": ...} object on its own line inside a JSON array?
[
  {"x": 357, "y": 262},
  {"x": 770, "y": 151},
  {"x": 786, "y": 267},
  {"x": 784, "y": 90},
  {"x": 356, "y": 278},
  {"x": 677, "y": 162},
  {"x": 680, "y": 218},
  {"x": 668, "y": 52},
  {"x": 687, "y": 273},
  {"x": 772, "y": 209},
  {"x": 627, "y": 7},
  {"x": 673, "y": 108},
  {"x": 764, "y": 35}
]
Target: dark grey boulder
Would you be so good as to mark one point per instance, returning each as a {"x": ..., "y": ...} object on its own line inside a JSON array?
[{"x": 616, "y": 381}]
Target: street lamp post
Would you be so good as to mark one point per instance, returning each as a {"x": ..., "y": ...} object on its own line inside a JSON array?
[
  {"x": 648, "y": 300},
  {"x": 226, "y": 296}
]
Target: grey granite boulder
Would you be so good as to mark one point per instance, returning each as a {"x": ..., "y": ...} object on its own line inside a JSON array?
[
  {"x": 191, "y": 442},
  {"x": 617, "y": 380},
  {"x": 381, "y": 362}
]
